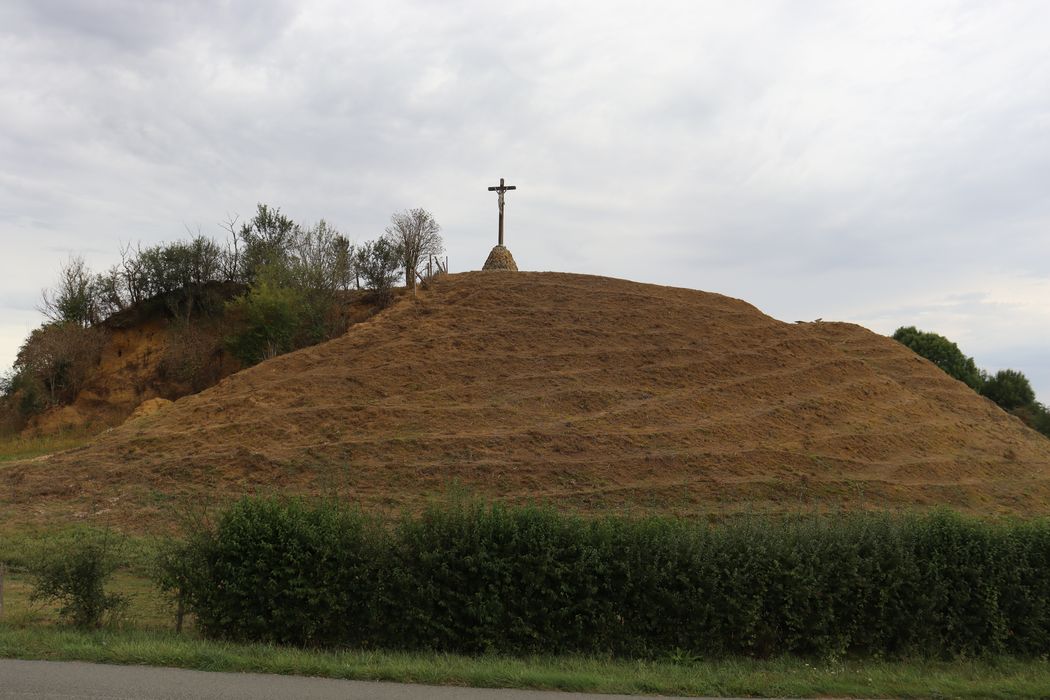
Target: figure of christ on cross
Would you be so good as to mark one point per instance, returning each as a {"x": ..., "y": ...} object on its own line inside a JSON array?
[{"x": 501, "y": 189}]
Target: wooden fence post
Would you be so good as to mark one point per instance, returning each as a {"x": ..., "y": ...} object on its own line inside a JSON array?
[{"x": 180, "y": 611}]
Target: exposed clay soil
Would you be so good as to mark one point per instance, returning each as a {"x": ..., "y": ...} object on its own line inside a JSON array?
[
  {"x": 592, "y": 393},
  {"x": 124, "y": 378},
  {"x": 139, "y": 364}
]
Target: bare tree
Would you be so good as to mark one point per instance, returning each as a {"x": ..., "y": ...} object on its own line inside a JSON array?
[
  {"x": 313, "y": 258},
  {"x": 231, "y": 259},
  {"x": 61, "y": 355},
  {"x": 134, "y": 274},
  {"x": 109, "y": 293},
  {"x": 416, "y": 234}
]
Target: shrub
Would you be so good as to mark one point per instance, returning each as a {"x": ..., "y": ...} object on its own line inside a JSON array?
[
  {"x": 24, "y": 396},
  {"x": 269, "y": 321},
  {"x": 74, "y": 574},
  {"x": 1009, "y": 388},
  {"x": 377, "y": 263},
  {"x": 941, "y": 352},
  {"x": 278, "y": 571}
]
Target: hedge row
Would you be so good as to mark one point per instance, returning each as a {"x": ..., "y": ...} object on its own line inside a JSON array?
[{"x": 518, "y": 580}]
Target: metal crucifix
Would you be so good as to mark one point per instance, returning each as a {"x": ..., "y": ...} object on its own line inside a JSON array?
[{"x": 501, "y": 189}]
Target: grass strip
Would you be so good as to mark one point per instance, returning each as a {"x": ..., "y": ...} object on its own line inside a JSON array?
[
  {"x": 14, "y": 448},
  {"x": 785, "y": 677}
]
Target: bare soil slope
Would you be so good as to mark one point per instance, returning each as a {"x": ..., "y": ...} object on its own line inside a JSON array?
[
  {"x": 128, "y": 373},
  {"x": 589, "y": 392}
]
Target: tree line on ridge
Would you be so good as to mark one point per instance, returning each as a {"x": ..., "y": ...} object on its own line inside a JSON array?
[{"x": 272, "y": 286}]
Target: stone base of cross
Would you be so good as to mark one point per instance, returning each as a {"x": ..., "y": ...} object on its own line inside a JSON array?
[{"x": 500, "y": 259}]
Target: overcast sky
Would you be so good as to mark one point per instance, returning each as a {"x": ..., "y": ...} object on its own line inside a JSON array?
[{"x": 885, "y": 163}]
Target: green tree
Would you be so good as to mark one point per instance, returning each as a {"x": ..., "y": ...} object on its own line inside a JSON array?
[
  {"x": 180, "y": 273},
  {"x": 24, "y": 394},
  {"x": 74, "y": 299},
  {"x": 294, "y": 276},
  {"x": 943, "y": 353},
  {"x": 1009, "y": 388},
  {"x": 269, "y": 319},
  {"x": 268, "y": 239},
  {"x": 376, "y": 264}
]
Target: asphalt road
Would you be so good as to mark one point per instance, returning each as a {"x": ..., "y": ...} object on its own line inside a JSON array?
[{"x": 55, "y": 680}]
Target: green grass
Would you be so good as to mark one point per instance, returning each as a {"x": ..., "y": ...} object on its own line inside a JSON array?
[
  {"x": 17, "y": 545},
  {"x": 144, "y": 636},
  {"x": 148, "y": 608},
  {"x": 992, "y": 678},
  {"x": 15, "y": 447}
]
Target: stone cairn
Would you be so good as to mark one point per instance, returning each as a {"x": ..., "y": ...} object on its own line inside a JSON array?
[{"x": 500, "y": 259}]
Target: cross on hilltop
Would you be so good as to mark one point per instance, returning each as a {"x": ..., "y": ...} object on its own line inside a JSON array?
[{"x": 501, "y": 189}]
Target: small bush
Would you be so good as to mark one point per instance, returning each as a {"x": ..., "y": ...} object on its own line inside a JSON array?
[
  {"x": 943, "y": 353},
  {"x": 74, "y": 573},
  {"x": 377, "y": 263},
  {"x": 268, "y": 319},
  {"x": 278, "y": 571},
  {"x": 1009, "y": 388}
]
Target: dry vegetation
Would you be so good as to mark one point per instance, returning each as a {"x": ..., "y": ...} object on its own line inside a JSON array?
[{"x": 592, "y": 393}]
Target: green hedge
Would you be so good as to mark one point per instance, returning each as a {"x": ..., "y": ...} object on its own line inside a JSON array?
[
  {"x": 284, "y": 572},
  {"x": 469, "y": 578}
]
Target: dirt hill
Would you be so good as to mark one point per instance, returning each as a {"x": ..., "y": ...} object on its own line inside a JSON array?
[
  {"x": 589, "y": 392},
  {"x": 130, "y": 371},
  {"x": 148, "y": 356}
]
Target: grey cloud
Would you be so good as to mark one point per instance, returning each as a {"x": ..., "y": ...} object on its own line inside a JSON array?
[
  {"x": 814, "y": 159},
  {"x": 132, "y": 27}
]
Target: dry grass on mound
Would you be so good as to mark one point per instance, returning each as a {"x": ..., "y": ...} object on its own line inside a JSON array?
[{"x": 588, "y": 392}]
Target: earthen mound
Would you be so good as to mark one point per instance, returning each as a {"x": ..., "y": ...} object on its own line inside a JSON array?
[{"x": 587, "y": 392}]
